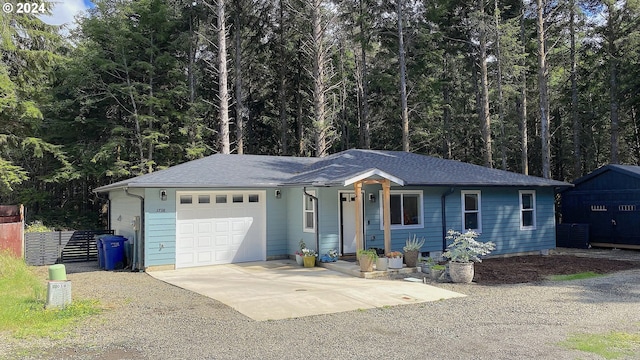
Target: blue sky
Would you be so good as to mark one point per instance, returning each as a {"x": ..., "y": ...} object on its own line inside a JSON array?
[{"x": 65, "y": 10}]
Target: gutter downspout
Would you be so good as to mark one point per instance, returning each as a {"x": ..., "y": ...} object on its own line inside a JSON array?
[
  {"x": 444, "y": 217},
  {"x": 317, "y": 230},
  {"x": 138, "y": 251}
]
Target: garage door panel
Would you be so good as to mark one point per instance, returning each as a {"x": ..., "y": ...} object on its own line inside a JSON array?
[
  {"x": 220, "y": 233},
  {"x": 205, "y": 256}
]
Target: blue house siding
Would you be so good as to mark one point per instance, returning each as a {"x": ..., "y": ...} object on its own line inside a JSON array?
[
  {"x": 294, "y": 201},
  {"x": 431, "y": 232},
  {"x": 277, "y": 218},
  {"x": 500, "y": 215},
  {"x": 160, "y": 228},
  {"x": 500, "y": 221}
]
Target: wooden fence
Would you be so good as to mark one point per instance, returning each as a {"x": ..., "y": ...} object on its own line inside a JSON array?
[{"x": 11, "y": 229}]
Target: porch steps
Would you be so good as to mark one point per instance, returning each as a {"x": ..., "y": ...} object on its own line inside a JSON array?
[{"x": 351, "y": 268}]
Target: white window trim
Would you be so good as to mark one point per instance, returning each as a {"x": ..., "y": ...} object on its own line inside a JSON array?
[
  {"x": 305, "y": 228},
  {"x": 533, "y": 210},
  {"x": 420, "y": 225},
  {"x": 464, "y": 211}
]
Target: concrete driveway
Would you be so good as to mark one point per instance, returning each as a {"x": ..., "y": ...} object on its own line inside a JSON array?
[{"x": 280, "y": 289}]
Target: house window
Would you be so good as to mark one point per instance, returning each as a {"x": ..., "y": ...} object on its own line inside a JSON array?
[
  {"x": 527, "y": 210},
  {"x": 309, "y": 213},
  {"x": 405, "y": 209},
  {"x": 471, "y": 211}
]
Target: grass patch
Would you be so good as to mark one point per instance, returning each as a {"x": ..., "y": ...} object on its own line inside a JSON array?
[
  {"x": 22, "y": 310},
  {"x": 610, "y": 346},
  {"x": 578, "y": 276}
]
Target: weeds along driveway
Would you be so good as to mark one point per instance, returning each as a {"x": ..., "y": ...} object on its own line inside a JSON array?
[{"x": 149, "y": 319}]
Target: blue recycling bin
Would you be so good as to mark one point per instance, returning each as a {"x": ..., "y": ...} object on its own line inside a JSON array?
[{"x": 113, "y": 249}]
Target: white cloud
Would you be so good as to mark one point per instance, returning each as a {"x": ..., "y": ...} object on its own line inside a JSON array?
[{"x": 64, "y": 11}]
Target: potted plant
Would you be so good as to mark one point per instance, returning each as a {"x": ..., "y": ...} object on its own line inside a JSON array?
[
  {"x": 463, "y": 252},
  {"x": 427, "y": 265},
  {"x": 437, "y": 271},
  {"x": 395, "y": 260},
  {"x": 412, "y": 250},
  {"x": 382, "y": 264},
  {"x": 309, "y": 257},
  {"x": 299, "y": 255},
  {"x": 367, "y": 259}
]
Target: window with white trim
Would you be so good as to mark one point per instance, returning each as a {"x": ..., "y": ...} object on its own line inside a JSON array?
[
  {"x": 527, "y": 209},
  {"x": 471, "y": 210},
  {"x": 309, "y": 212},
  {"x": 406, "y": 209}
]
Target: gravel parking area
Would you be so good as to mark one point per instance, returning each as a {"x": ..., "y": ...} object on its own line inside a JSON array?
[{"x": 149, "y": 319}]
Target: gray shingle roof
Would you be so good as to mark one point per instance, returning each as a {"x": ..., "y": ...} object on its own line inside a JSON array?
[{"x": 228, "y": 171}]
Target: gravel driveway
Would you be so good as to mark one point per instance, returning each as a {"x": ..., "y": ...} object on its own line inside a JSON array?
[{"x": 149, "y": 319}]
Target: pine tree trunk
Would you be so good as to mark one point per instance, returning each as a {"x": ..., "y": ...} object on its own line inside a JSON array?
[
  {"x": 485, "y": 117},
  {"x": 223, "y": 91},
  {"x": 524, "y": 149},
  {"x": 577, "y": 152},
  {"x": 151, "y": 114},
  {"x": 503, "y": 136},
  {"x": 446, "y": 109},
  {"x": 544, "y": 97},
  {"x": 613, "y": 86},
  {"x": 282, "y": 91},
  {"x": 241, "y": 111},
  {"x": 365, "y": 130},
  {"x": 403, "y": 81},
  {"x": 320, "y": 126}
]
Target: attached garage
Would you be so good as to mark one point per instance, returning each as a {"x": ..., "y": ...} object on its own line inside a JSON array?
[{"x": 217, "y": 227}]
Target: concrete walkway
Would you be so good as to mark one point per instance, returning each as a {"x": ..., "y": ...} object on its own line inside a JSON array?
[{"x": 280, "y": 289}]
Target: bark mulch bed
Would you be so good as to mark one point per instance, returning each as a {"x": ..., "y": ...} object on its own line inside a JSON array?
[{"x": 524, "y": 269}]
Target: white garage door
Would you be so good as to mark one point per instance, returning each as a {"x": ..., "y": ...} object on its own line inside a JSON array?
[{"x": 220, "y": 228}]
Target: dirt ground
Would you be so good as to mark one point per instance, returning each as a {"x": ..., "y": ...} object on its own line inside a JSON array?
[{"x": 531, "y": 268}]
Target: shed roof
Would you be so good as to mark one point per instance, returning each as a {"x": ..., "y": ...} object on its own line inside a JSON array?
[
  {"x": 629, "y": 170},
  {"x": 402, "y": 168}
]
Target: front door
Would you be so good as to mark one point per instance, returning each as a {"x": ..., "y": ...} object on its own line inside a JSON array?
[{"x": 348, "y": 222}]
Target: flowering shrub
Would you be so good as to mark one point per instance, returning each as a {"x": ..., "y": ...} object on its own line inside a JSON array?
[
  {"x": 465, "y": 248},
  {"x": 308, "y": 252}
]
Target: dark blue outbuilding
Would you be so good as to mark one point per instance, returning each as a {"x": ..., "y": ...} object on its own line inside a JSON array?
[{"x": 608, "y": 200}]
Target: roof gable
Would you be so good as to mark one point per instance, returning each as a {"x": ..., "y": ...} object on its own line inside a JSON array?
[{"x": 607, "y": 173}]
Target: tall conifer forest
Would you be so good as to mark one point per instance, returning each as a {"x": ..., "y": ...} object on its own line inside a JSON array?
[{"x": 546, "y": 88}]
